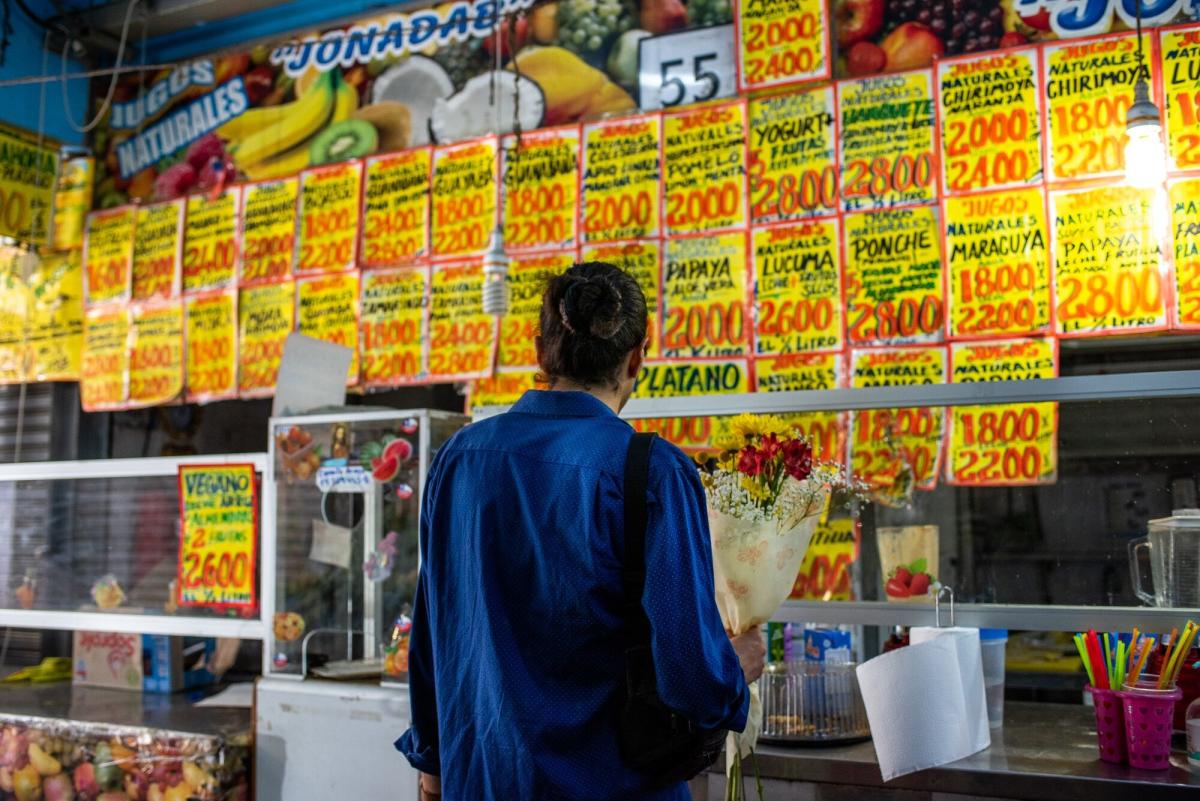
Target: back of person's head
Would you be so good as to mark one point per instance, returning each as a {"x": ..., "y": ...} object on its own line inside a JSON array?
[{"x": 593, "y": 315}]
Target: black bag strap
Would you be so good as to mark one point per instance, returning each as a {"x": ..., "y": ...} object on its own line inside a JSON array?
[{"x": 633, "y": 572}]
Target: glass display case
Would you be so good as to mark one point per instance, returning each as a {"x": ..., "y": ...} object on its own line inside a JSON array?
[{"x": 346, "y": 488}]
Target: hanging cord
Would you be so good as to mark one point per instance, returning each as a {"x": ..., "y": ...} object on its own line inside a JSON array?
[
  {"x": 112, "y": 83},
  {"x": 516, "y": 67},
  {"x": 1143, "y": 72},
  {"x": 6, "y": 30}
]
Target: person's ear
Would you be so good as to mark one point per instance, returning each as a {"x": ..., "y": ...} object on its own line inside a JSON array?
[{"x": 636, "y": 358}]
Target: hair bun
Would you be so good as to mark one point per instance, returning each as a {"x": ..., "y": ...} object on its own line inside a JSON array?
[{"x": 593, "y": 306}]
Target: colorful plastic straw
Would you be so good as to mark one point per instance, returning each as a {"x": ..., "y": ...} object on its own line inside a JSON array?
[{"x": 1083, "y": 656}]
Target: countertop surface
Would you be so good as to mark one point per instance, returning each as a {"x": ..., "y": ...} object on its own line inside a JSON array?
[{"x": 1043, "y": 751}]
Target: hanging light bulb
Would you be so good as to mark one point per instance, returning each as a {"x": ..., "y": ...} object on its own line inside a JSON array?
[
  {"x": 495, "y": 275},
  {"x": 1145, "y": 158}
]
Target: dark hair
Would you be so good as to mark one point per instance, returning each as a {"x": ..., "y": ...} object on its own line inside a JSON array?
[{"x": 593, "y": 315}]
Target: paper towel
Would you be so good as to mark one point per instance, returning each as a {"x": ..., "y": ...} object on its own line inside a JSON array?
[
  {"x": 916, "y": 707},
  {"x": 970, "y": 663}
]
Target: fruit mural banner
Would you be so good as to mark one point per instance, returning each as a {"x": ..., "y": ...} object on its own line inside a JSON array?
[
  {"x": 210, "y": 253},
  {"x": 268, "y": 230},
  {"x": 155, "y": 353},
  {"x": 212, "y": 353},
  {"x": 157, "y": 250},
  {"x": 266, "y": 315},
  {"x": 104, "y": 372},
  {"x": 1185, "y": 229},
  {"x": 394, "y": 330},
  {"x": 28, "y": 169},
  {"x": 218, "y": 536}
]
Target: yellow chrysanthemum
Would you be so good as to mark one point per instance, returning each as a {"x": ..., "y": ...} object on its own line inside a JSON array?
[
  {"x": 756, "y": 425},
  {"x": 758, "y": 491}
]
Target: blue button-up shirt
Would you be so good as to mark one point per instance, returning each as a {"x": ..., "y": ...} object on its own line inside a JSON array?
[{"x": 517, "y": 658}]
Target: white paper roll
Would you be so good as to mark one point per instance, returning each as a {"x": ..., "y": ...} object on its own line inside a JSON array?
[
  {"x": 970, "y": 663},
  {"x": 916, "y": 707}
]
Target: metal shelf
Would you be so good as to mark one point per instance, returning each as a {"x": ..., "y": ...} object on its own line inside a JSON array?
[{"x": 134, "y": 623}]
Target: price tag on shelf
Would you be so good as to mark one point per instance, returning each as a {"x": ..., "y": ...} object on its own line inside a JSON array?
[
  {"x": 396, "y": 208},
  {"x": 793, "y": 156},
  {"x": 212, "y": 353},
  {"x": 108, "y": 255},
  {"x": 104, "y": 370},
  {"x": 798, "y": 287},
  {"x": 393, "y": 326},
  {"x": 799, "y": 371},
  {"x": 893, "y": 281},
  {"x": 781, "y": 42},
  {"x": 327, "y": 309},
  {"x": 1090, "y": 90},
  {"x": 1003, "y": 445},
  {"x": 689, "y": 378},
  {"x": 329, "y": 214},
  {"x": 642, "y": 260},
  {"x": 211, "y": 241},
  {"x": 886, "y": 130},
  {"x": 56, "y": 317},
  {"x": 998, "y": 261},
  {"x": 156, "y": 250},
  {"x": 541, "y": 189},
  {"x": 678, "y": 69},
  {"x": 462, "y": 341},
  {"x": 704, "y": 158},
  {"x": 527, "y": 280},
  {"x": 155, "y": 353},
  {"x": 1180, "y": 49},
  {"x": 1108, "y": 273},
  {"x": 266, "y": 315},
  {"x": 218, "y": 536},
  {"x": 894, "y": 450},
  {"x": 1184, "y": 196},
  {"x": 503, "y": 388},
  {"x": 268, "y": 230},
  {"x": 464, "y": 197},
  {"x": 825, "y": 572},
  {"x": 705, "y": 310},
  {"x": 621, "y": 179}
]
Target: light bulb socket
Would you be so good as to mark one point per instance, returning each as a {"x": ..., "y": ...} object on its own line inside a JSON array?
[
  {"x": 495, "y": 275},
  {"x": 1143, "y": 112}
]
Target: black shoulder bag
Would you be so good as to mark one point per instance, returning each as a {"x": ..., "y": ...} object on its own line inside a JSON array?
[{"x": 653, "y": 739}]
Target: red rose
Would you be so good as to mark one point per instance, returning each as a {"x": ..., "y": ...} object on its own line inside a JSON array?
[
  {"x": 797, "y": 459},
  {"x": 750, "y": 461}
]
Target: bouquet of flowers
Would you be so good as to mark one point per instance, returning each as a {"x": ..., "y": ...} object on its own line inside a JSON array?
[{"x": 766, "y": 494}]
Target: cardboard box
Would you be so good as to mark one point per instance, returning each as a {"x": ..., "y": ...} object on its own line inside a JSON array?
[{"x": 141, "y": 662}]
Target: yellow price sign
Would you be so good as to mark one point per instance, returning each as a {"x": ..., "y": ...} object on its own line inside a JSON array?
[
  {"x": 793, "y": 156},
  {"x": 1180, "y": 50},
  {"x": 792, "y": 372},
  {"x": 894, "y": 290},
  {"x": 156, "y": 251},
  {"x": 212, "y": 346},
  {"x": 1108, "y": 263},
  {"x": 503, "y": 388},
  {"x": 72, "y": 202},
  {"x": 680, "y": 379},
  {"x": 268, "y": 230},
  {"x": 781, "y": 42},
  {"x": 155, "y": 353},
  {"x": 1089, "y": 86},
  {"x": 27, "y": 177},
  {"x": 692, "y": 435},
  {"x": 15, "y": 301},
  {"x": 329, "y": 206},
  {"x": 541, "y": 189},
  {"x": 1003, "y": 445},
  {"x": 798, "y": 288},
  {"x": 704, "y": 160},
  {"x": 462, "y": 343},
  {"x": 108, "y": 254},
  {"x": 886, "y": 136},
  {"x": 266, "y": 315},
  {"x": 393, "y": 326},
  {"x": 997, "y": 256},
  {"x": 621, "y": 179},
  {"x": 104, "y": 370},
  {"x": 464, "y": 197},
  {"x": 56, "y": 317},
  {"x": 704, "y": 300},
  {"x": 396, "y": 208},
  {"x": 1184, "y": 196},
  {"x": 327, "y": 308},
  {"x": 210, "y": 253},
  {"x": 218, "y": 536},
  {"x": 825, "y": 572},
  {"x": 527, "y": 280},
  {"x": 642, "y": 260},
  {"x": 991, "y": 118}
]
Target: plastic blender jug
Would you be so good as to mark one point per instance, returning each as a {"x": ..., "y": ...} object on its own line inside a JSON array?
[{"x": 1173, "y": 544}]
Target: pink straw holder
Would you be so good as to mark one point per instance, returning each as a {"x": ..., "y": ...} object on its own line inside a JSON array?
[
  {"x": 1148, "y": 714},
  {"x": 1110, "y": 724}
]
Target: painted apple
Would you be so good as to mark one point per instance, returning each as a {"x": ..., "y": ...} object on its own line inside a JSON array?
[
  {"x": 858, "y": 20},
  {"x": 865, "y": 58},
  {"x": 911, "y": 46}
]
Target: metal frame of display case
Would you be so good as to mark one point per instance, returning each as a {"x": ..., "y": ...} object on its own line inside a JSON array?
[
  {"x": 138, "y": 623},
  {"x": 1029, "y": 617}
]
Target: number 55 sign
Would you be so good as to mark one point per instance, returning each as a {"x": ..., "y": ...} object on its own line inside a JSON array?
[
  {"x": 688, "y": 67},
  {"x": 218, "y": 536}
]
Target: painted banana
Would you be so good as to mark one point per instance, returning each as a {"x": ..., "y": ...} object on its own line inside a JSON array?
[
  {"x": 308, "y": 115},
  {"x": 285, "y": 164},
  {"x": 258, "y": 118},
  {"x": 345, "y": 100}
]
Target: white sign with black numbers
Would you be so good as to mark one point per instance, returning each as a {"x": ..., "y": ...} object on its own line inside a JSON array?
[{"x": 687, "y": 67}]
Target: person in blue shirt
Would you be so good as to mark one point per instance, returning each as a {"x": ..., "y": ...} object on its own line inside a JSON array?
[{"x": 516, "y": 662}]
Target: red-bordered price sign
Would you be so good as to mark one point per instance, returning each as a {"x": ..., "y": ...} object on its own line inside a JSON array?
[
  {"x": 799, "y": 371},
  {"x": 396, "y": 208},
  {"x": 212, "y": 352},
  {"x": 798, "y": 287},
  {"x": 642, "y": 260},
  {"x": 527, "y": 280},
  {"x": 689, "y": 378},
  {"x": 1184, "y": 196},
  {"x": 991, "y": 113},
  {"x": 692, "y": 435},
  {"x": 156, "y": 251},
  {"x": 781, "y": 42},
  {"x": 1003, "y": 445},
  {"x": 104, "y": 370},
  {"x": 793, "y": 156},
  {"x": 504, "y": 388},
  {"x": 704, "y": 160},
  {"x": 998, "y": 264},
  {"x": 621, "y": 179},
  {"x": 108, "y": 255},
  {"x": 825, "y": 572},
  {"x": 218, "y": 536},
  {"x": 705, "y": 292},
  {"x": 210, "y": 253},
  {"x": 327, "y": 308},
  {"x": 462, "y": 340},
  {"x": 330, "y": 199},
  {"x": 268, "y": 231},
  {"x": 1180, "y": 55},
  {"x": 1109, "y": 268},
  {"x": 394, "y": 304},
  {"x": 541, "y": 189},
  {"x": 885, "y": 132},
  {"x": 155, "y": 353},
  {"x": 1089, "y": 86},
  {"x": 266, "y": 315},
  {"x": 464, "y": 197},
  {"x": 893, "y": 277}
]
